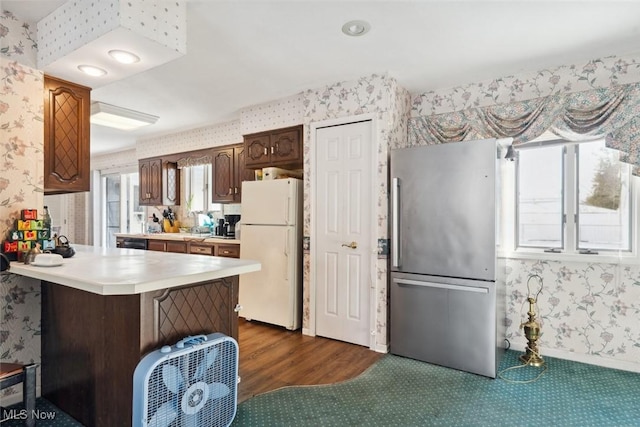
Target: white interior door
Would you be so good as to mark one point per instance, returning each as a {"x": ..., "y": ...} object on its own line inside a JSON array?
[{"x": 343, "y": 233}]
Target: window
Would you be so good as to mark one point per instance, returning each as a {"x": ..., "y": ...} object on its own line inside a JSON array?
[
  {"x": 121, "y": 212},
  {"x": 197, "y": 189},
  {"x": 573, "y": 197}
]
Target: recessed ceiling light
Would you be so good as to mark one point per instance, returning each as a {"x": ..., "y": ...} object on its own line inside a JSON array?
[
  {"x": 356, "y": 28},
  {"x": 124, "y": 56},
  {"x": 92, "y": 71}
]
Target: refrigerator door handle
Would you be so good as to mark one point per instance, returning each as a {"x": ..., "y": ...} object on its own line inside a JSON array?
[
  {"x": 287, "y": 212},
  {"x": 447, "y": 286},
  {"x": 395, "y": 222},
  {"x": 286, "y": 242},
  {"x": 286, "y": 254}
]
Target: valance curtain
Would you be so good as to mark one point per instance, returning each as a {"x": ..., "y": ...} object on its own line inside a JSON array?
[{"x": 612, "y": 113}]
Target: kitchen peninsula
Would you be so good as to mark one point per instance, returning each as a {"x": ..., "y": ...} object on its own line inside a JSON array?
[{"x": 104, "y": 308}]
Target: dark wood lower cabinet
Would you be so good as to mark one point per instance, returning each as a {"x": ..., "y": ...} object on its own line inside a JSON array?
[{"x": 91, "y": 344}]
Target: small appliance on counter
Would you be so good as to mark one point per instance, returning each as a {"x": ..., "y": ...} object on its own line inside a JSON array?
[
  {"x": 226, "y": 227},
  {"x": 231, "y": 221}
]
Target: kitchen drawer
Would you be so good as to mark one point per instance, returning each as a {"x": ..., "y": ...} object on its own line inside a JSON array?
[
  {"x": 177, "y": 247},
  {"x": 229, "y": 251},
  {"x": 156, "y": 245},
  {"x": 202, "y": 249}
]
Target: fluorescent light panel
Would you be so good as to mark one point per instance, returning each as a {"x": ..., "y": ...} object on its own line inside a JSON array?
[{"x": 120, "y": 118}]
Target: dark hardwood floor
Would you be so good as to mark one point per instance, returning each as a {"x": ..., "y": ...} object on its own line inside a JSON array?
[{"x": 272, "y": 357}]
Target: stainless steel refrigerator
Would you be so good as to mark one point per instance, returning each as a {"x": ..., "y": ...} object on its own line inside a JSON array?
[
  {"x": 271, "y": 232},
  {"x": 446, "y": 297}
]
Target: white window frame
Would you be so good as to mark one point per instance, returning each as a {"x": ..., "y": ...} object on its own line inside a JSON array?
[
  {"x": 208, "y": 179},
  {"x": 570, "y": 251}
]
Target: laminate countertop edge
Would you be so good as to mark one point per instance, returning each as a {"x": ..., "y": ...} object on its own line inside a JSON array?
[{"x": 115, "y": 271}]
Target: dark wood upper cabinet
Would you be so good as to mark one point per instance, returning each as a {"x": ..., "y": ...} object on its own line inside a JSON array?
[
  {"x": 66, "y": 136},
  {"x": 170, "y": 183},
  {"x": 258, "y": 148},
  {"x": 223, "y": 177},
  {"x": 228, "y": 173},
  {"x": 280, "y": 147},
  {"x": 150, "y": 175},
  {"x": 242, "y": 173},
  {"x": 159, "y": 182}
]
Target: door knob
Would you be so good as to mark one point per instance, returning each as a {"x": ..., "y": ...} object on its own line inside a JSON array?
[{"x": 352, "y": 245}]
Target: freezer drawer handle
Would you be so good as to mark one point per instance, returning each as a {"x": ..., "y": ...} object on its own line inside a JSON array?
[
  {"x": 395, "y": 223},
  {"x": 479, "y": 290}
]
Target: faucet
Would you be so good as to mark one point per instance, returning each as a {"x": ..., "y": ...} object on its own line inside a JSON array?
[{"x": 195, "y": 228}]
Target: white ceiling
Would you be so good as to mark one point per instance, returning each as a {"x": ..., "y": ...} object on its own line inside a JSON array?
[{"x": 241, "y": 53}]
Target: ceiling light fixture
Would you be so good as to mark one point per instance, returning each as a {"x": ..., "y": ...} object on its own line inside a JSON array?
[
  {"x": 92, "y": 71},
  {"x": 356, "y": 28},
  {"x": 123, "y": 56},
  {"x": 120, "y": 118}
]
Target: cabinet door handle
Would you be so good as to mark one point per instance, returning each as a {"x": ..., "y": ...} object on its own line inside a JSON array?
[
  {"x": 272, "y": 150},
  {"x": 236, "y": 190},
  {"x": 265, "y": 151},
  {"x": 230, "y": 191}
]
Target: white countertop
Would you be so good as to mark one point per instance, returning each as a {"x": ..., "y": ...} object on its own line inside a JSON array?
[
  {"x": 114, "y": 271},
  {"x": 181, "y": 236}
]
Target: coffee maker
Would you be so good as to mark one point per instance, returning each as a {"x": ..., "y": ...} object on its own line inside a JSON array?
[{"x": 229, "y": 230}]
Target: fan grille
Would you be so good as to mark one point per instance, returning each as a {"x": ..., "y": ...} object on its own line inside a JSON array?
[{"x": 194, "y": 389}]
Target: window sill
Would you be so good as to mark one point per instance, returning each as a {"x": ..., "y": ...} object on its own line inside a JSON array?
[{"x": 626, "y": 259}]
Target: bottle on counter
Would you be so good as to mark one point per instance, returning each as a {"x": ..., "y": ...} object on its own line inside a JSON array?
[{"x": 46, "y": 218}]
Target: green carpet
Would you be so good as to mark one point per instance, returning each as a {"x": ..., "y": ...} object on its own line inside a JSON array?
[{"x": 397, "y": 391}]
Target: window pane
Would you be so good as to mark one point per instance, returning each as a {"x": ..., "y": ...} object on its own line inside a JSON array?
[
  {"x": 604, "y": 199},
  {"x": 540, "y": 207},
  {"x": 112, "y": 214},
  {"x": 197, "y": 177}
]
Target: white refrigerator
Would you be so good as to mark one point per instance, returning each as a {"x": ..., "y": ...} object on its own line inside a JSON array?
[{"x": 271, "y": 232}]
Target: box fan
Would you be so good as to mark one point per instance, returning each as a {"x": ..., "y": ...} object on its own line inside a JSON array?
[{"x": 191, "y": 384}]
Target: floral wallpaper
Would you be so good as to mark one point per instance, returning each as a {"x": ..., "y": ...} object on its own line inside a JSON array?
[
  {"x": 593, "y": 74},
  {"x": 21, "y": 178},
  {"x": 586, "y": 308},
  {"x": 17, "y": 39}
]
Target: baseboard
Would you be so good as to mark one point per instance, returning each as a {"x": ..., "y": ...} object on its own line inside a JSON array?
[
  {"x": 381, "y": 348},
  {"x": 307, "y": 331},
  {"x": 16, "y": 397},
  {"x": 583, "y": 358}
]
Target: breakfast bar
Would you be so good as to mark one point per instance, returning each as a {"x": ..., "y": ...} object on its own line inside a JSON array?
[{"x": 105, "y": 308}]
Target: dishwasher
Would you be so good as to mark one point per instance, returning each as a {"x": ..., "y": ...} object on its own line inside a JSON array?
[{"x": 132, "y": 243}]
